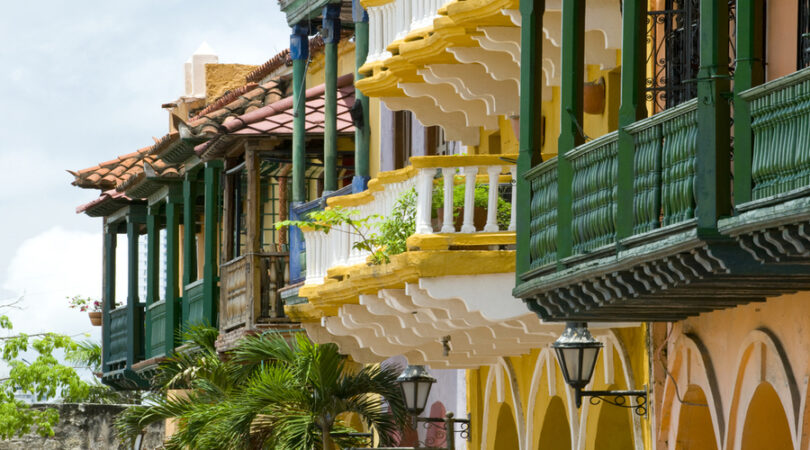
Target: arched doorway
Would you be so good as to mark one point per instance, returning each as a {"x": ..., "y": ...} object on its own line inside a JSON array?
[
  {"x": 614, "y": 429},
  {"x": 766, "y": 426},
  {"x": 695, "y": 430},
  {"x": 506, "y": 436},
  {"x": 556, "y": 433}
]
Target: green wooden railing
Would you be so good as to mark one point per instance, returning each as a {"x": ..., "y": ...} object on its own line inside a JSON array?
[
  {"x": 193, "y": 300},
  {"x": 594, "y": 193},
  {"x": 543, "y": 227},
  {"x": 118, "y": 337},
  {"x": 156, "y": 318},
  {"x": 663, "y": 185},
  {"x": 780, "y": 122},
  {"x": 664, "y": 168}
]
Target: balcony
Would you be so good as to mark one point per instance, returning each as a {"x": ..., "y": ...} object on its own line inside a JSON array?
[
  {"x": 249, "y": 294},
  {"x": 669, "y": 268},
  {"x": 125, "y": 348},
  {"x": 451, "y": 288}
]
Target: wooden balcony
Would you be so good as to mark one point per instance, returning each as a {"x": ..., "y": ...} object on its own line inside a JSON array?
[
  {"x": 249, "y": 297},
  {"x": 118, "y": 357},
  {"x": 669, "y": 268}
]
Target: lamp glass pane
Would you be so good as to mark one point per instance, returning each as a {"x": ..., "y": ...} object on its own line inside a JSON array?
[
  {"x": 571, "y": 356},
  {"x": 589, "y": 356},
  {"x": 422, "y": 394},
  {"x": 408, "y": 388}
]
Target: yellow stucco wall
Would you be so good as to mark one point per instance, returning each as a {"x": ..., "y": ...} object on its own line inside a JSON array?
[
  {"x": 345, "y": 63},
  {"x": 220, "y": 78}
]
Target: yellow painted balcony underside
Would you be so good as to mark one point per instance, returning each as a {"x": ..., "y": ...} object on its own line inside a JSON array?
[
  {"x": 457, "y": 23},
  {"x": 344, "y": 285}
]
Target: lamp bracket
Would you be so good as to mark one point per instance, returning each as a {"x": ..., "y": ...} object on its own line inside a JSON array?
[{"x": 618, "y": 398}]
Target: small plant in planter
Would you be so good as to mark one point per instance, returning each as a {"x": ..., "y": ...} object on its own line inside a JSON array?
[
  {"x": 86, "y": 304},
  {"x": 481, "y": 198}
]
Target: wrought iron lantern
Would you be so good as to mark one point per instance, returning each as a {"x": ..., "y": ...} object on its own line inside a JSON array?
[
  {"x": 577, "y": 352},
  {"x": 415, "y": 383}
]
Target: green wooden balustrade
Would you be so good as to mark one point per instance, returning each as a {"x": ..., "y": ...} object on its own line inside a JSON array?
[
  {"x": 543, "y": 226},
  {"x": 156, "y": 317},
  {"x": 664, "y": 184},
  {"x": 193, "y": 303},
  {"x": 664, "y": 169},
  {"x": 118, "y": 337},
  {"x": 780, "y": 123},
  {"x": 594, "y": 185}
]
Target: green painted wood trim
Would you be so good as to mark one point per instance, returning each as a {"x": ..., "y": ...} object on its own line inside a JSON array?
[
  {"x": 748, "y": 73},
  {"x": 573, "y": 65},
  {"x": 632, "y": 108},
  {"x": 543, "y": 212},
  {"x": 594, "y": 188},
  {"x": 210, "y": 239},
  {"x": 299, "y": 193},
  {"x": 362, "y": 135},
  {"x": 776, "y": 85},
  {"x": 108, "y": 289},
  {"x": 152, "y": 272},
  {"x": 172, "y": 294},
  {"x": 531, "y": 57},
  {"x": 134, "y": 313},
  {"x": 189, "y": 228},
  {"x": 712, "y": 164},
  {"x": 330, "y": 182}
]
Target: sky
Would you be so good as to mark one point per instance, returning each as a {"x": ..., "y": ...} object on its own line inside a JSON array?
[{"x": 82, "y": 82}]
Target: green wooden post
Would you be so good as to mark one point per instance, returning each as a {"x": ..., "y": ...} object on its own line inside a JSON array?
[
  {"x": 749, "y": 72},
  {"x": 531, "y": 88},
  {"x": 573, "y": 66},
  {"x": 108, "y": 287},
  {"x": 331, "y": 37},
  {"x": 712, "y": 180},
  {"x": 172, "y": 295},
  {"x": 134, "y": 313},
  {"x": 361, "y": 131},
  {"x": 189, "y": 229},
  {"x": 634, "y": 19},
  {"x": 152, "y": 271},
  {"x": 211, "y": 225},
  {"x": 299, "y": 51}
]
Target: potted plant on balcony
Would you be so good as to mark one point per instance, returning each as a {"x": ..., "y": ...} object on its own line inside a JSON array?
[
  {"x": 88, "y": 305},
  {"x": 481, "y": 198}
]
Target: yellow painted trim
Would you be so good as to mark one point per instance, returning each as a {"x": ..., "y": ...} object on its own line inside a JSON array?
[
  {"x": 372, "y": 3},
  {"x": 374, "y": 185},
  {"x": 443, "y": 241},
  {"x": 420, "y": 162},
  {"x": 408, "y": 267}
]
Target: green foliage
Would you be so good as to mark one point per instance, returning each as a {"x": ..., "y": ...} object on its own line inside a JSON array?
[
  {"x": 44, "y": 377},
  {"x": 391, "y": 232},
  {"x": 270, "y": 392},
  {"x": 396, "y": 228},
  {"x": 480, "y": 200},
  {"x": 87, "y": 354}
]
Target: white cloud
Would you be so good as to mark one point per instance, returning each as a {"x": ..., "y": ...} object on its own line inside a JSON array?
[{"x": 49, "y": 267}]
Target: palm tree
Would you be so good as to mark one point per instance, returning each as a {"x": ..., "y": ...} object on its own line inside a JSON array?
[{"x": 270, "y": 392}]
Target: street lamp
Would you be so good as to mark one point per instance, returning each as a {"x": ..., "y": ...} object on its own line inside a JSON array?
[
  {"x": 415, "y": 382},
  {"x": 577, "y": 352}
]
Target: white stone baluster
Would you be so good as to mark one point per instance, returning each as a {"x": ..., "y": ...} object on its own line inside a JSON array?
[
  {"x": 494, "y": 173},
  {"x": 448, "y": 225},
  {"x": 309, "y": 257},
  {"x": 424, "y": 200},
  {"x": 512, "y": 215},
  {"x": 468, "y": 226}
]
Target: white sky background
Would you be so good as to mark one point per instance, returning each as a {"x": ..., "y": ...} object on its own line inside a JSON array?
[{"x": 82, "y": 82}]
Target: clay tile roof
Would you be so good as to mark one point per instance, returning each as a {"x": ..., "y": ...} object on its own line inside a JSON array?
[
  {"x": 209, "y": 119},
  {"x": 276, "y": 119},
  {"x": 108, "y": 174},
  {"x": 107, "y": 202}
]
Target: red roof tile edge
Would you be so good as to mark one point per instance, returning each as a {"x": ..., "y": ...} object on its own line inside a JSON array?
[{"x": 111, "y": 194}]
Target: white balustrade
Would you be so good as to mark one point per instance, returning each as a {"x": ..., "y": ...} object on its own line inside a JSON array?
[
  {"x": 393, "y": 21},
  {"x": 336, "y": 248}
]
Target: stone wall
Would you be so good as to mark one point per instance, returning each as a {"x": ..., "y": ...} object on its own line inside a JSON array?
[{"x": 84, "y": 426}]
